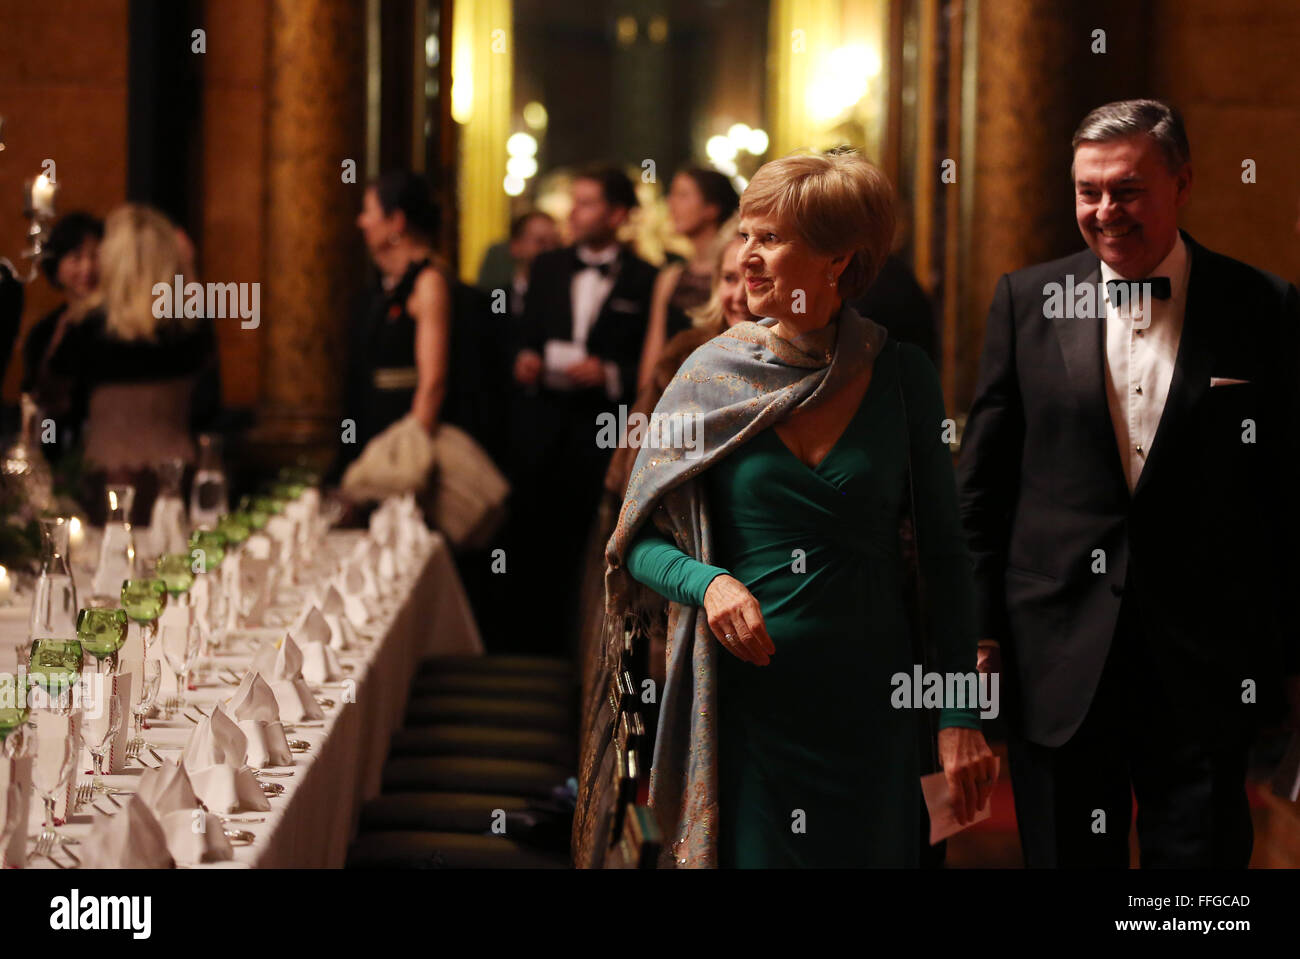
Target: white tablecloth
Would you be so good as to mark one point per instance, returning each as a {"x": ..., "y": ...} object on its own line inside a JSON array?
[{"x": 312, "y": 822}]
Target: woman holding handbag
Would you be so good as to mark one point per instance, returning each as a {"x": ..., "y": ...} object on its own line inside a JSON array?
[
  {"x": 401, "y": 396},
  {"x": 777, "y": 547},
  {"x": 399, "y": 356}
]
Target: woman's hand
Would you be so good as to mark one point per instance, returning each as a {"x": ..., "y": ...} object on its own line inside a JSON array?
[
  {"x": 737, "y": 621},
  {"x": 971, "y": 769}
]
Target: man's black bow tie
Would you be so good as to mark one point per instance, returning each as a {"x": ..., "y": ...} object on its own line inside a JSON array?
[
  {"x": 602, "y": 268},
  {"x": 1160, "y": 287}
]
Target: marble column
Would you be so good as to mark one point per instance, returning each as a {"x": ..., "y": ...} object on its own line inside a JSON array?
[{"x": 313, "y": 261}]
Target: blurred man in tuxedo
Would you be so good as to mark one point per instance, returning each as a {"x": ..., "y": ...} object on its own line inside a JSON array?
[
  {"x": 584, "y": 321},
  {"x": 1128, "y": 488}
]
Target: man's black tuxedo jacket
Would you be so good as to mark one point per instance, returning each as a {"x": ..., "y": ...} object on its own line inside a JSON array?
[
  {"x": 1207, "y": 545},
  {"x": 617, "y": 334}
]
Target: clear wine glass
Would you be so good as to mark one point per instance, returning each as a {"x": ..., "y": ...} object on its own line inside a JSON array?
[
  {"x": 181, "y": 647},
  {"x": 100, "y": 731},
  {"x": 117, "y": 550},
  {"x": 54, "y": 605},
  {"x": 150, "y": 680},
  {"x": 51, "y": 778}
]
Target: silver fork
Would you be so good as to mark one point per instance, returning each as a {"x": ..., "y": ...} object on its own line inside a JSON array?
[
  {"x": 45, "y": 845},
  {"x": 84, "y": 792}
]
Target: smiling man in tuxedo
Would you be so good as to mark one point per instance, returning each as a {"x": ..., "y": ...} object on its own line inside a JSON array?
[
  {"x": 1129, "y": 495},
  {"x": 584, "y": 321}
]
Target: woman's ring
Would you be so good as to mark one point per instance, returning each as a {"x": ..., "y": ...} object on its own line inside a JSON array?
[{"x": 729, "y": 636}]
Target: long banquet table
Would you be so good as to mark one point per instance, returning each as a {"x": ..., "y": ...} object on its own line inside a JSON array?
[{"x": 310, "y": 824}]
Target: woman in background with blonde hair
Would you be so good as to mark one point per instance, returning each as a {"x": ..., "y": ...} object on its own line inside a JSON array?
[{"x": 137, "y": 370}]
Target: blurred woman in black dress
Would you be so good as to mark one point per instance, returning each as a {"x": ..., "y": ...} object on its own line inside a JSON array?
[
  {"x": 398, "y": 363},
  {"x": 71, "y": 264}
]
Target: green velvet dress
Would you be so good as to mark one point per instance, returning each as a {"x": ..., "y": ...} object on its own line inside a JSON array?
[{"x": 816, "y": 767}]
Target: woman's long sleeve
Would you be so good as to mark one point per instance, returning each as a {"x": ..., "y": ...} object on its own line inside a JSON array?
[
  {"x": 948, "y": 591},
  {"x": 656, "y": 562}
]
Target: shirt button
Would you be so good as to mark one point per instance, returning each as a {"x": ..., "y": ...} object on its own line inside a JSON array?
[
  {"x": 1137, "y": 389},
  {"x": 1138, "y": 447}
]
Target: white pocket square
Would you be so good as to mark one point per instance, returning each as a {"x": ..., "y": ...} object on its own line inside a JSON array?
[{"x": 1226, "y": 381}]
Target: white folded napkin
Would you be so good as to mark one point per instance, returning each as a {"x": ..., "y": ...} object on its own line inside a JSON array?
[
  {"x": 320, "y": 664},
  {"x": 225, "y": 788},
  {"x": 382, "y": 522},
  {"x": 352, "y": 583},
  {"x": 256, "y": 708},
  {"x": 167, "y": 788},
  {"x": 196, "y": 836},
  {"x": 201, "y": 602},
  {"x": 254, "y": 700},
  {"x": 277, "y": 660},
  {"x": 192, "y": 835},
  {"x": 281, "y": 666},
  {"x": 131, "y": 839},
  {"x": 313, "y": 626},
  {"x": 331, "y": 601},
  {"x": 260, "y": 546},
  {"x": 217, "y": 740}
]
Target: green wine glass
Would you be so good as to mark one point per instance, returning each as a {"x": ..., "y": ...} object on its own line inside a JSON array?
[
  {"x": 210, "y": 544},
  {"x": 256, "y": 517},
  {"x": 13, "y": 703},
  {"x": 235, "y": 527},
  {"x": 144, "y": 600},
  {"x": 176, "y": 570},
  {"x": 55, "y": 666},
  {"x": 102, "y": 632}
]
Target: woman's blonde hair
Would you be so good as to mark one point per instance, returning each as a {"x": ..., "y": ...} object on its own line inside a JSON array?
[
  {"x": 837, "y": 202},
  {"x": 710, "y": 315},
  {"x": 139, "y": 249}
]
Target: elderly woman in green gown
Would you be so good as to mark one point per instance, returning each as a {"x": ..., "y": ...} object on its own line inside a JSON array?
[{"x": 772, "y": 530}]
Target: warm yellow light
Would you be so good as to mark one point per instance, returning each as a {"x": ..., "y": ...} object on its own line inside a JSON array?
[
  {"x": 626, "y": 30},
  {"x": 521, "y": 167},
  {"x": 720, "y": 149},
  {"x": 462, "y": 73},
  {"x": 658, "y": 29},
  {"x": 840, "y": 80},
  {"x": 535, "y": 115},
  {"x": 757, "y": 142},
  {"x": 738, "y": 133},
  {"x": 513, "y": 185},
  {"x": 521, "y": 145}
]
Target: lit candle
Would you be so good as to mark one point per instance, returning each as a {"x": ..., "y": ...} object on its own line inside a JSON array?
[
  {"x": 5, "y": 588},
  {"x": 76, "y": 535},
  {"x": 43, "y": 195}
]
